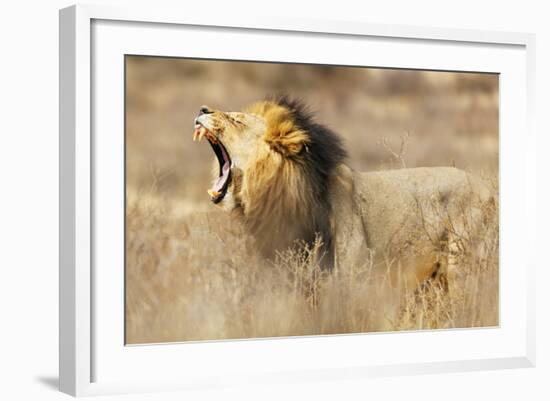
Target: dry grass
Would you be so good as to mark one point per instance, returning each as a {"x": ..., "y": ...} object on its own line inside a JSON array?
[
  {"x": 192, "y": 275},
  {"x": 197, "y": 278}
]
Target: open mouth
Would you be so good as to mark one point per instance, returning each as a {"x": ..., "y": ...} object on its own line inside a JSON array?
[{"x": 219, "y": 187}]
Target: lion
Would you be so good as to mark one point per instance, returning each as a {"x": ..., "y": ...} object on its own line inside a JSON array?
[{"x": 285, "y": 177}]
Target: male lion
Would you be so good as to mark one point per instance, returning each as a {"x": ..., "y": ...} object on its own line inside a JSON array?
[{"x": 284, "y": 175}]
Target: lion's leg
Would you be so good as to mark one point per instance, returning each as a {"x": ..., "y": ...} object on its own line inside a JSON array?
[
  {"x": 461, "y": 239},
  {"x": 464, "y": 231},
  {"x": 447, "y": 273}
]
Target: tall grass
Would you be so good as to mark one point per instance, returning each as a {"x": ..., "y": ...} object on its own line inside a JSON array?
[{"x": 197, "y": 277}]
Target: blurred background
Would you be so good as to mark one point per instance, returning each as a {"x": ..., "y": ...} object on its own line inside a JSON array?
[{"x": 388, "y": 118}]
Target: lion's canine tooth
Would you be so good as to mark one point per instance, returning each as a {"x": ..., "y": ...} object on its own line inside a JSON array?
[
  {"x": 202, "y": 132},
  {"x": 213, "y": 194},
  {"x": 195, "y": 133}
]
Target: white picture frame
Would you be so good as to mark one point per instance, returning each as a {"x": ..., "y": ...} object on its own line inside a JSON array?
[{"x": 92, "y": 353}]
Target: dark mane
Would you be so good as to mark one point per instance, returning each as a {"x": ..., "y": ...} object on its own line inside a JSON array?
[{"x": 324, "y": 152}]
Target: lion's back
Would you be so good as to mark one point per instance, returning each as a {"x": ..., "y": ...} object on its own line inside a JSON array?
[
  {"x": 408, "y": 202},
  {"x": 421, "y": 181}
]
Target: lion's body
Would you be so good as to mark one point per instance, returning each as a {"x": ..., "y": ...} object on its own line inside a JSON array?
[
  {"x": 404, "y": 220},
  {"x": 290, "y": 185}
]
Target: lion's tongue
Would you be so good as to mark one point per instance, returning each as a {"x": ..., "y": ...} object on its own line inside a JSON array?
[{"x": 221, "y": 180}]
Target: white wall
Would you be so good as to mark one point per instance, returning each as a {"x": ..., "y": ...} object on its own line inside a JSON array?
[{"x": 28, "y": 200}]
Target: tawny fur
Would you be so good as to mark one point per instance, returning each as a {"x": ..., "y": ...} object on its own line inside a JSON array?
[{"x": 291, "y": 185}]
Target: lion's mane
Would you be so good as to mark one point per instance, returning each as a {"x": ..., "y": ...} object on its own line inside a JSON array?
[{"x": 284, "y": 193}]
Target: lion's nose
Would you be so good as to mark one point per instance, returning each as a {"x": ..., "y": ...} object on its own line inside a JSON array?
[{"x": 205, "y": 110}]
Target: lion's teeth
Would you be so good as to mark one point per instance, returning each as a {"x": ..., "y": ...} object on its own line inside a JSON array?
[
  {"x": 213, "y": 194},
  {"x": 202, "y": 132}
]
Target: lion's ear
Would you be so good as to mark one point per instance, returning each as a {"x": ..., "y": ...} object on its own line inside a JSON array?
[{"x": 284, "y": 137}]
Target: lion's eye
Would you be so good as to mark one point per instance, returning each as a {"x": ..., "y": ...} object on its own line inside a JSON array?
[{"x": 235, "y": 121}]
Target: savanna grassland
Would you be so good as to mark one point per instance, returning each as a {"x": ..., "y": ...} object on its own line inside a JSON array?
[{"x": 191, "y": 271}]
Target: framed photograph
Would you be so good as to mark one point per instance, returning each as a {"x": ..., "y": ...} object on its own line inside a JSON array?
[{"x": 261, "y": 200}]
